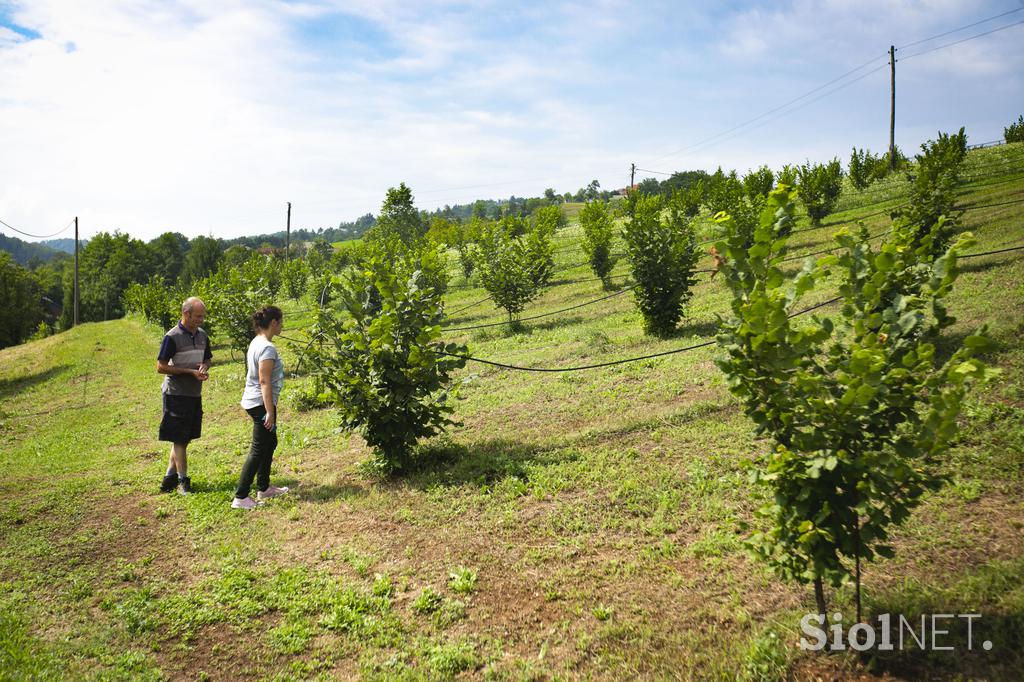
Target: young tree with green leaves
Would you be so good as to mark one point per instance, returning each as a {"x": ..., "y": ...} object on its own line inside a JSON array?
[
  {"x": 1015, "y": 131},
  {"x": 757, "y": 183},
  {"x": 933, "y": 194},
  {"x": 384, "y": 365},
  {"x": 662, "y": 252},
  {"x": 398, "y": 218},
  {"x": 859, "y": 410},
  {"x": 819, "y": 187},
  {"x": 598, "y": 232},
  {"x": 294, "y": 275},
  {"x": 861, "y": 168},
  {"x": 508, "y": 267}
]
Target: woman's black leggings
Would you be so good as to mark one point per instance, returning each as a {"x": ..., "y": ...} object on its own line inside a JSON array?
[{"x": 261, "y": 454}]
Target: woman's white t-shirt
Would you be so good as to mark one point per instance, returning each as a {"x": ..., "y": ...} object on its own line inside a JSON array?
[{"x": 261, "y": 349}]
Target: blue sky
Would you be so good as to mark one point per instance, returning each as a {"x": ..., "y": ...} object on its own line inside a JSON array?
[{"x": 206, "y": 117}]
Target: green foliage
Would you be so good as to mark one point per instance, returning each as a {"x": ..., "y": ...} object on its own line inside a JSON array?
[
  {"x": 787, "y": 176},
  {"x": 398, "y": 219},
  {"x": 203, "y": 258},
  {"x": 819, "y": 187},
  {"x": 264, "y": 274},
  {"x": 549, "y": 219},
  {"x": 429, "y": 601},
  {"x": 235, "y": 256},
  {"x": 598, "y": 232},
  {"x": 933, "y": 194},
  {"x": 169, "y": 255},
  {"x": 758, "y": 183},
  {"x": 462, "y": 580},
  {"x": 294, "y": 274},
  {"x": 383, "y": 365},
  {"x": 154, "y": 300},
  {"x": 859, "y": 411},
  {"x": 468, "y": 255},
  {"x": 42, "y": 331},
  {"x": 20, "y": 313},
  {"x": 514, "y": 263},
  {"x": 662, "y": 252},
  {"x": 862, "y": 167},
  {"x": 318, "y": 257},
  {"x": 108, "y": 263},
  {"x": 1015, "y": 131},
  {"x": 723, "y": 192},
  {"x": 766, "y": 659},
  {"x": 231, "y": 297}
]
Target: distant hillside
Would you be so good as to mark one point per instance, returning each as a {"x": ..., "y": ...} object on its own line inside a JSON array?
[
  {"x": 66, "y": 245},
  {"x": 23, "y": 252}
]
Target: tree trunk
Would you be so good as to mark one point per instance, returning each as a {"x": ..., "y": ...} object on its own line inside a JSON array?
[
  {"x": 857, "y": 557},
  {"x": 819, "y": 597}
]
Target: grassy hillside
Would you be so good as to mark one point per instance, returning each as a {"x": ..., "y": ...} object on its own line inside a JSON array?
[{"x": 580, "y": 525}]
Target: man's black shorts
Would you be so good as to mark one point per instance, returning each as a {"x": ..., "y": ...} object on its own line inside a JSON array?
[{"x": 183, "y": 418}]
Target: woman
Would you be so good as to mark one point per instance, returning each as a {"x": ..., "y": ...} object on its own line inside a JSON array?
[{"x": 263, "y": 382}]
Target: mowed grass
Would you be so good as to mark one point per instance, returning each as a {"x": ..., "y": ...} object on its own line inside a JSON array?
[{"x": 577, "y": 525}]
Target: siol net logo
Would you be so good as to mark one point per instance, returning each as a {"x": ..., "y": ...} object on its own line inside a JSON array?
[{"x": 933, "y": 633}]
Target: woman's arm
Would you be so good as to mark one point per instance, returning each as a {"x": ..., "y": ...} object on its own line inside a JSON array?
[{"x": 267, "y": 390}]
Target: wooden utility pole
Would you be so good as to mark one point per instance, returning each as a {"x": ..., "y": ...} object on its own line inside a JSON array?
[
  {"x": 75, "y": 318},
  {"x": 892, "y": 109},
  {"x": 632, "y": 175},
  {"x": 288, "y": 233}
]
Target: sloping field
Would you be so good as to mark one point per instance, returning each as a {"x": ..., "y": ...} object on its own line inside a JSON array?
[{"x": 581, "y": 524}]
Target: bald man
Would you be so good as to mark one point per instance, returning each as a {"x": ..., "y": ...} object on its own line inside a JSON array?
[{"x": 184, "y": 359}]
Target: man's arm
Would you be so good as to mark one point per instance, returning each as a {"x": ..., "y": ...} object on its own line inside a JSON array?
[{"x": 163, "y": 367}]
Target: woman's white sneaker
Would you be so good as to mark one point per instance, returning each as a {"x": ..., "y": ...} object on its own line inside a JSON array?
[
  {"x": 271, "y": 492},
  {"x": 243, "y": 503}
]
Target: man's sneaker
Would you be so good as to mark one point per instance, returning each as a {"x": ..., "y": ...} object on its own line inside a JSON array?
[
  {"x": 245, "y": 503},
  {"x": 185, "y": 485},
  {"x": 170, "y": 483},
  {"x": 271, "y": 492}
]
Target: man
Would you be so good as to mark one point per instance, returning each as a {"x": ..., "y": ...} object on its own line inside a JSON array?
[{"x": 185, "y": 360}]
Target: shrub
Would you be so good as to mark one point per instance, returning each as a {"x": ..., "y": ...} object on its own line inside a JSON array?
[
  {"x": 549, "y": 218},
  {"x": 758, "y": 183},
  {"x": 384, "y": 365},
  {"x": 862, "y": 168},
  {"x": 662, "y": 253},
  {"x": 819, "y": 187},
  {"x": 860, "y": 412},
  {"x": 467, "y": 258},
  {"x": 231, "y": 297},
  {"x": 514, "y": 268},
  {"x": 723, "y": 192},
  {"x": 933, "y": 194},
  {"x": 264, "y": 273},
  {"x": 597, "y": 239},
  {"x": 727, "y": 195},
  {"x": 294, "y": 274},
  {"x": 787, "y": 176},
  {"x": 1015, "y": 132},
  {"x": 154, "y": 301}
]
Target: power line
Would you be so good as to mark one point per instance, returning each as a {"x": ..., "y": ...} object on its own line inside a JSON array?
[
  {"x": 771, "y": 111},
  {"x": 38, "y": 236},
  {"x": 615, "y": 362},
  {"x": 963, "y": 40},
  {"x": 962, "y": 28}
]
